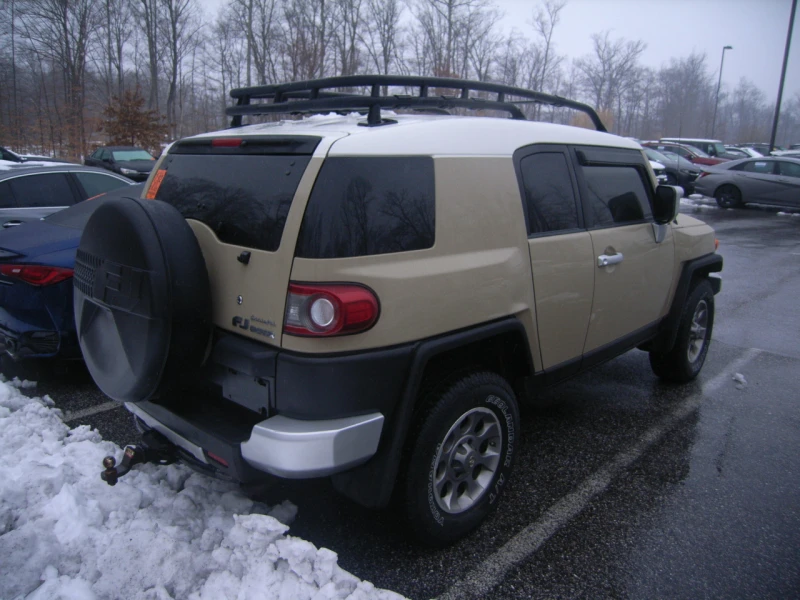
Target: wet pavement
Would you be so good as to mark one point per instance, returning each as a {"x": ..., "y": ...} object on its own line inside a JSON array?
[{"x": 624, "y": 487}]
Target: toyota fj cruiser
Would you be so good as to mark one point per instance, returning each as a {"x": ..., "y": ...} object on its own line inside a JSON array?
[{"x": 368, "y": 295}]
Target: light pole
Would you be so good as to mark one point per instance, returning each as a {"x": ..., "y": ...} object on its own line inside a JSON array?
[{"x": 719, "y": 83}]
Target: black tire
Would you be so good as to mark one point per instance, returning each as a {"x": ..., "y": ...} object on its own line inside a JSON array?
[
  {"x": 728, "y": 196},
  {"x": 465, "y": 419},
  {"x": 684, "y": 361},
  {"x": 142, "y": 298}
]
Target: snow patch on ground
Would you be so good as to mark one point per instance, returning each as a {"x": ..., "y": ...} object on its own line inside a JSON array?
[
  {"x": 160, "y": 533},
  {"x": 740, "y": 380},
  {"x": 787, "y": 214},
  {"x": 699, "y": 203}
]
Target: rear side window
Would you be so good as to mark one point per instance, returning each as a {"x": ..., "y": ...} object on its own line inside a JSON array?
[
  {"x": 244, "y": 199},
  {"x": 549, "y": 197},
  {"x": 95, "y": 184},
  {"x": 6, "y": 197},
  {"x": 616, "y": 195},
  {"x": 369, "y": 205},
  {"x": 757, "y": 166},
  {"x": 789, "y": 169},
  {"x": 48, "y": 189}
]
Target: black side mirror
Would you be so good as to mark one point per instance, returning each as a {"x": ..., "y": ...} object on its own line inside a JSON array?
[{"x": 666, "y": 203}]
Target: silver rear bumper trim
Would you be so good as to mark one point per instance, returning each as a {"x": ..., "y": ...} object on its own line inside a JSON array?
[{"x": 297, "y": 449}]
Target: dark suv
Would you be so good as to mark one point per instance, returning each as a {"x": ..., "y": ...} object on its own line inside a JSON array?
[{"x": 134, "y": 163}]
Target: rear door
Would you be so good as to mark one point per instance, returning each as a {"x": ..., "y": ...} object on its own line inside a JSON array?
[
  {"x": 560, "y": 252},
  {"x": 632, "y": 272},
  {"x": 758, "y": 180},
  {"x": 39, "y": 194},
  {"x": 244, "y": 199},
  {"x": 789, "y": 178}
]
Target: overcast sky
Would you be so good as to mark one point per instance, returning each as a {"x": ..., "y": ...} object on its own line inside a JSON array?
[{"x": 674, "y": 28}]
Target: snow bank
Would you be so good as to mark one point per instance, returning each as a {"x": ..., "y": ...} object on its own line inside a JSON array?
[{"x": 160, "y": 533}]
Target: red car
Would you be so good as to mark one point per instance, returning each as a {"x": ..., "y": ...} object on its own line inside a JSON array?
[{"x": 690, "y": 153}]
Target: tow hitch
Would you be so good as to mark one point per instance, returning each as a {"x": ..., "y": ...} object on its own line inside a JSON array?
[{"x": 156, "y": 449}]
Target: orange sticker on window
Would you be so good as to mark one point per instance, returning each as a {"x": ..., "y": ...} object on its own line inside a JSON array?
[{"x": 153, "y": 190}]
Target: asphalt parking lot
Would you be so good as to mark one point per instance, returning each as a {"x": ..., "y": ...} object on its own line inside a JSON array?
[{"x": 624, "y": 486}]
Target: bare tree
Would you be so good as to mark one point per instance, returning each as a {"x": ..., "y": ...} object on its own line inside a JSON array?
[
  {"x": 180, "y": 29},
  {"x": 544, "y": 24},
  {"x": 381, "y": 34},
  {"x": 605, "y": 72},
  {"x": 62, "y": 32}
]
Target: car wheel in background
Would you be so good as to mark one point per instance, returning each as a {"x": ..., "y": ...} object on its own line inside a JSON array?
[
  {"x": 684, "y": 361},
  {"x": 728, "y": 196},
  {"x": 671, "y": 179},
  {"x": 461, "y": 458}
]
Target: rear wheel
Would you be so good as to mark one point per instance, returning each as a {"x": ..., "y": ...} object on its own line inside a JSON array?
[
  {"x": 461, "y": 458},
  {"x": 684, "y": 361},
  {"x": 728, "y": 196}
]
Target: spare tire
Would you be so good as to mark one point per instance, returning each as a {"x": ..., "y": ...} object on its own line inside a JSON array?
[{"x": 142, "y": 298}]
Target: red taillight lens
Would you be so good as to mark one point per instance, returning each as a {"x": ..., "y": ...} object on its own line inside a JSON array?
[
  {"x": 326, "y": 310},
  {"x": 36, "y": 274},
  {"x": 703, "y": 174}
]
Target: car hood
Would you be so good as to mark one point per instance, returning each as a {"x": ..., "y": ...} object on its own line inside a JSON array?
[
  {"x": 143, "y": 166},
  {"x": 36, "y": 239}
]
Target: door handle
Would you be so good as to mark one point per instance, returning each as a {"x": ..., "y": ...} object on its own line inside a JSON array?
[
  {"x": 605, "y": 260},
  {"x": 12, "y": 223}
]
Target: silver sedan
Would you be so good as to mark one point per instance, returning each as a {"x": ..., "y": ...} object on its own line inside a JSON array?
[{"x": 773, "y": 180}]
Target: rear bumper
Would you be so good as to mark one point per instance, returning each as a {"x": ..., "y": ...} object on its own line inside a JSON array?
[
  {"x": 260, "y": 410},
  {"x": 285, "y": 447}
]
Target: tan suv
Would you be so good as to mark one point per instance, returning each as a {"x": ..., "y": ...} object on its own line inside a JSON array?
[{"x": 369, "y": 295}]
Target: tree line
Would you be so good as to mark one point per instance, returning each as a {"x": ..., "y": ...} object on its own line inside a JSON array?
[{"x": 63, "y": 63}]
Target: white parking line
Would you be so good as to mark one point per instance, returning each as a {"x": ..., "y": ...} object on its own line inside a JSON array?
[
  {"x": 480, "y": 581},
  {"x": 87, "y": 412}
]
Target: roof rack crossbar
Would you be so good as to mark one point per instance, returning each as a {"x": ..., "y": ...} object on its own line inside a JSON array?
[{"x": 321, "y": 94}]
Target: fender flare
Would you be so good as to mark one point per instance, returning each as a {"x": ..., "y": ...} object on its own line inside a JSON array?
[
  {"x": 692, "y": 270},
  {"x": 372, "y": 484}
]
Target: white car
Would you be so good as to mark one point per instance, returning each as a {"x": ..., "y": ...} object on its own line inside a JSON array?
[{"x": 746, "y": 150}]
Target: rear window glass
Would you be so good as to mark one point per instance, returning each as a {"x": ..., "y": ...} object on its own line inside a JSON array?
[
  {"x": 370, "y": 205},
  {"x": 243, "y": 199}
]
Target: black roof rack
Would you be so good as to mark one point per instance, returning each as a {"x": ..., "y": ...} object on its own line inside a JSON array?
[{"x": 319, "y": 95}]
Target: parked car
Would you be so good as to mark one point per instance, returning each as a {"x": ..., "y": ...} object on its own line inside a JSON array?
[
  {"x": 743, "y": 152},
  {"x": 679, "y": 171},
  {"x": 713, "y": 148},
  {"x": 135, "y": 163},
  {"x": 767, "y": 180},
  {"x": 690, "y": 153},
  {"x": 353, "y": 296},
  {"x": 28, "y": 193},
  {"x": 6, "y": 154},
  {"x": 36, "y": 268}
]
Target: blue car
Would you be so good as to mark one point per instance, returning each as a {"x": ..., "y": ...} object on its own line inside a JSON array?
[{"x": 36, "y": 263}]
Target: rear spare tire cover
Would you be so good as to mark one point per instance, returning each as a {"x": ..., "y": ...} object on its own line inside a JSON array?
[{"x": 142, "y": 298}]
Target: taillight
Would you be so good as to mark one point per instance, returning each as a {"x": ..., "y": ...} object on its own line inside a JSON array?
[
  {"x": 329, "y": 309},
  {"x": 36, "y": 274},
  {"x": 703, "y": 174},
  {"x": 226, "y": 142}
]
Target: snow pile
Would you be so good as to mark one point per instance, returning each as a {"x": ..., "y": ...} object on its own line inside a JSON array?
[
  {"x": 160, "y": 533},
  {"x": 740, "y": 381},
  {"x": 788, "y": 214}
]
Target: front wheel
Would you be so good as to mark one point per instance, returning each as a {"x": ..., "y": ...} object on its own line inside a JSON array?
[
  {"x": 684, "y": 361},
  {"x": 462, "y": 457},
  {"x": 728, "y": 196}
]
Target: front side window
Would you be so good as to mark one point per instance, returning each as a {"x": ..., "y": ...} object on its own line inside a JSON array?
[
  {"x": 369, "y": 205},
  {"x": 47, "y": 189},
  {"x": 616, "y": 194},
  {"x": 549, "y": 196}
]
